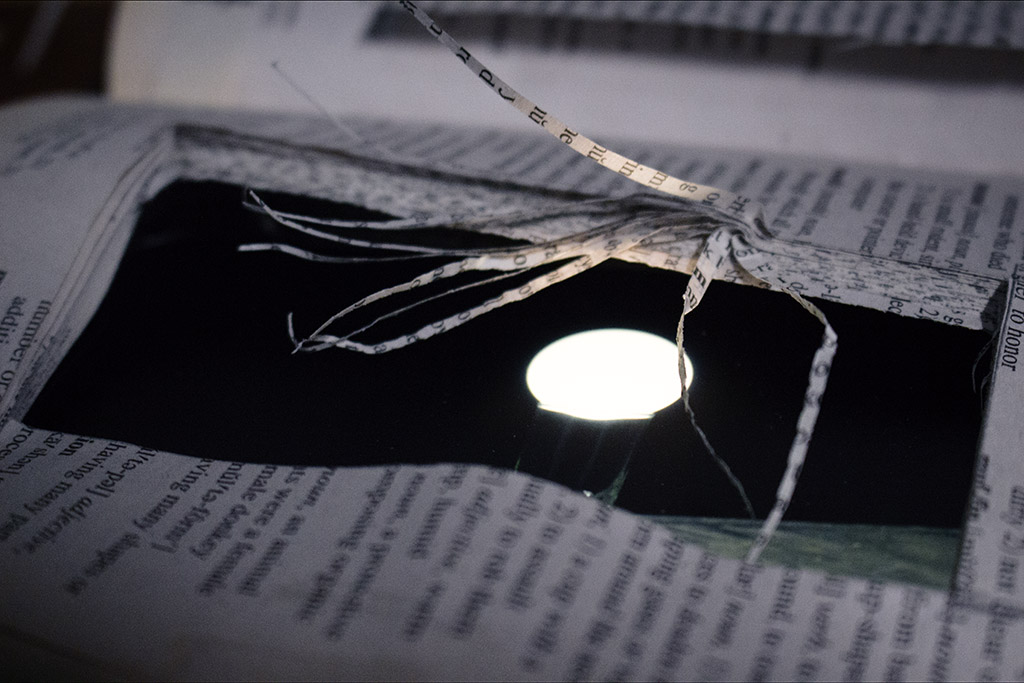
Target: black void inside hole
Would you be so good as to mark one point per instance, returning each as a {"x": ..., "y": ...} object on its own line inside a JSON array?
[{"x": 189, "y": 353}]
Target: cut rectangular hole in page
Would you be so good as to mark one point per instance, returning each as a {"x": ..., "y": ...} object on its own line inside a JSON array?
[{"x": 189, "y": 353}]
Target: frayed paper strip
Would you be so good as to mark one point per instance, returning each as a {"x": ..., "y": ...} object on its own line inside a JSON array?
[
  {"x": 634, "y": 225},
  {"x": 730, "y": 207},
  {"x": 732, "y": 227}
]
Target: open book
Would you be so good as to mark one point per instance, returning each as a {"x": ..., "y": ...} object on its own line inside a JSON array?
[{"x": 183, "y": 496}]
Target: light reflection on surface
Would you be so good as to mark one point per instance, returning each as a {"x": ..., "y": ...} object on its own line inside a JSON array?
[{"x": 608, "y": 374}]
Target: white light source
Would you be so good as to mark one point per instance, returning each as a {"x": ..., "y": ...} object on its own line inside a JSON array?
[{"x": 609, "y": 374}]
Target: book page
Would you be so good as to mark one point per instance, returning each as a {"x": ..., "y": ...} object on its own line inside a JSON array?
[
  {"x": 974, "y": 24},
  {"x": 954, "y": 109},
  {"x": 148, "y": 563},
  {"x": 239, "y": 570}
]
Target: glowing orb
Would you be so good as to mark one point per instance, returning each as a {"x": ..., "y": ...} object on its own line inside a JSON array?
[{"x": 611, "y": 374}]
